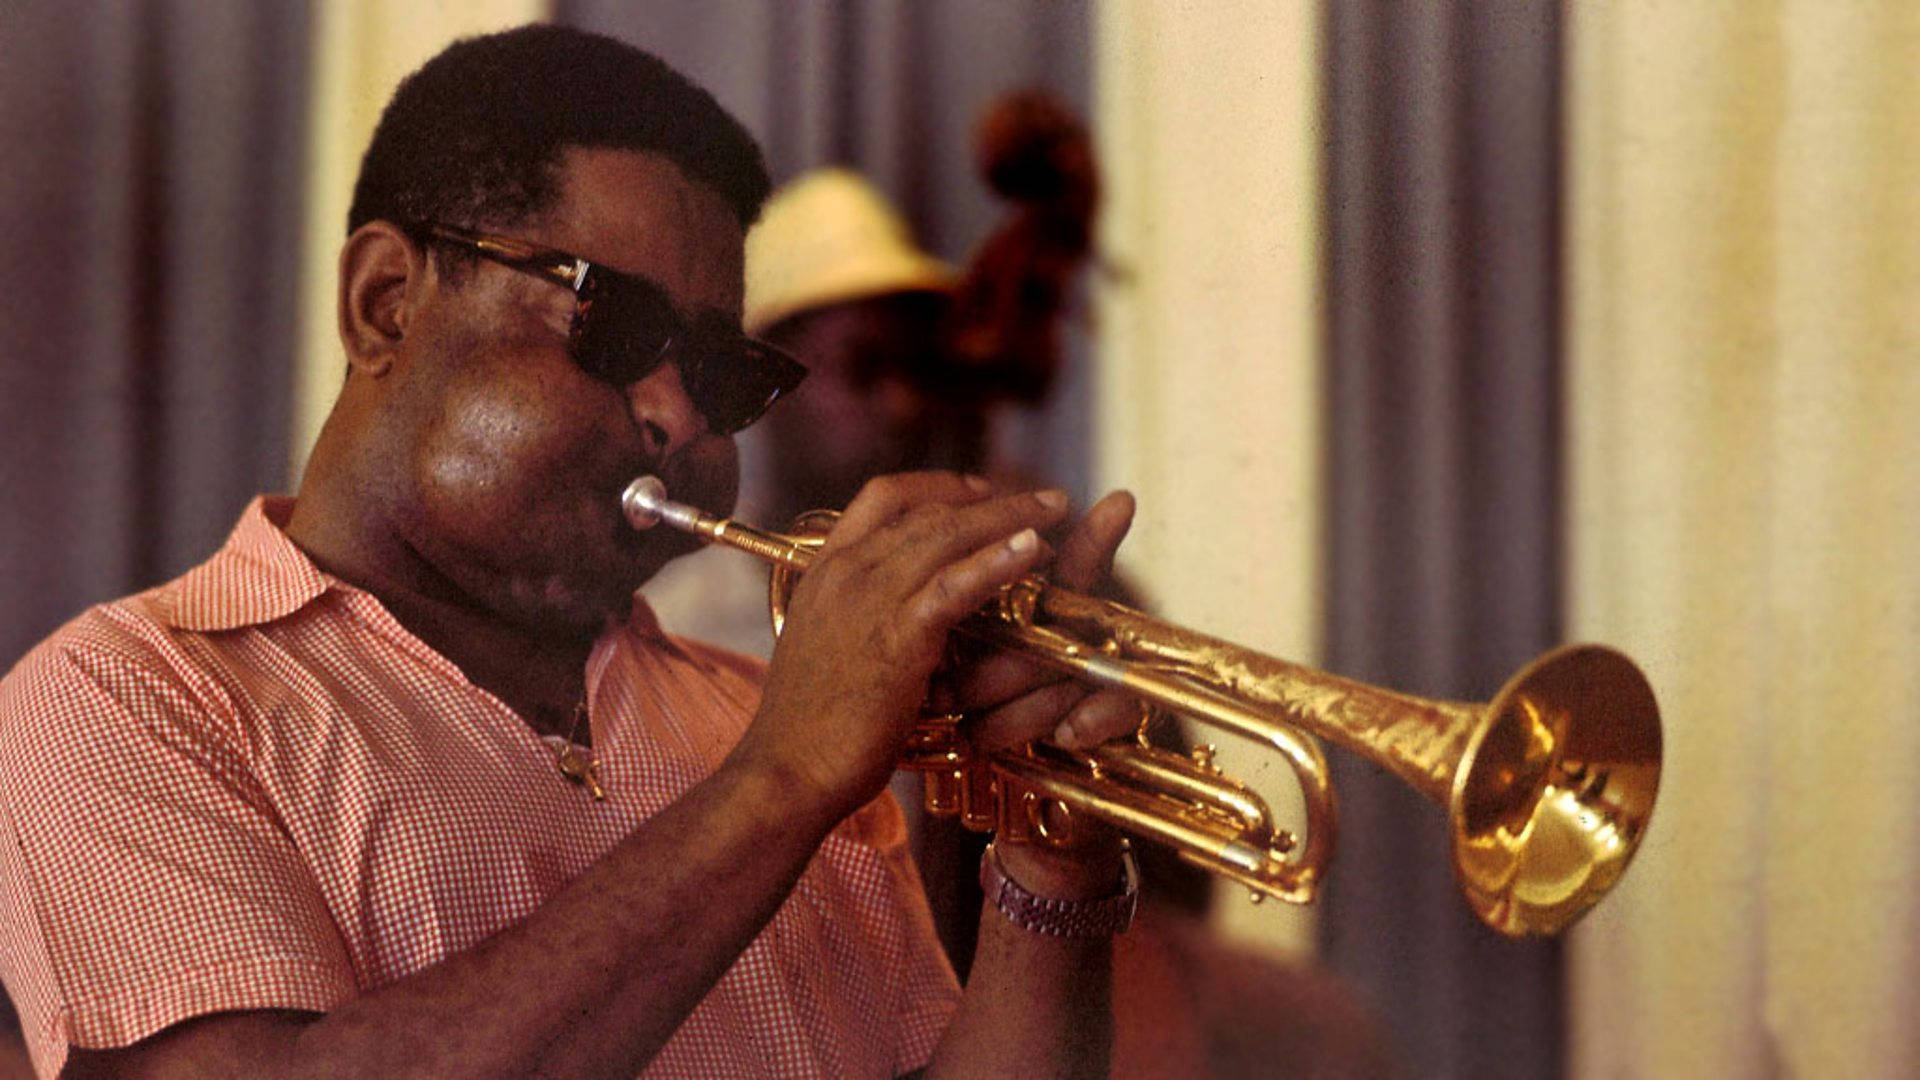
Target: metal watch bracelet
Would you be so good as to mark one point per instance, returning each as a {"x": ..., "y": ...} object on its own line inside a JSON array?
[{"x": 1098, "y": 918}]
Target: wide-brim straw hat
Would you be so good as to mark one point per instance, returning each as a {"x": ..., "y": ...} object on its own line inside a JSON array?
[{"x": 830, "y": 237}]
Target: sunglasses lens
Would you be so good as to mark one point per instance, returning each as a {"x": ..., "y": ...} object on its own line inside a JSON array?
[
  {"x": 621, "y": 330},
  {"x": 735, "y": 379},
  {"x": 625, "y": 328}
]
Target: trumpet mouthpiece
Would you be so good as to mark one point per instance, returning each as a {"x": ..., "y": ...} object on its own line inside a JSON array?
[{"x": 644, "y": 501}]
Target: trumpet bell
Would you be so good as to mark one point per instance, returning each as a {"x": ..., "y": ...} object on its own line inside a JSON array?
[{"x": 1555, "y": 789}]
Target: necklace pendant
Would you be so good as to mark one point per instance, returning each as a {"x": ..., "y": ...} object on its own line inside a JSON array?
[{"x": 582, "y": 769}]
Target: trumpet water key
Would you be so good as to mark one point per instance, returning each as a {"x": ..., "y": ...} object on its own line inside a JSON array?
[{"x": 1548, "y": 788}]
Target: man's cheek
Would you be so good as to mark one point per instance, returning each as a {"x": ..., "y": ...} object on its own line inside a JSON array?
[{"x": 486, "y": 442}]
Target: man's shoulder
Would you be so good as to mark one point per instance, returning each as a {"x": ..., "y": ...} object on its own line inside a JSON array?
[
  {"x": 172, "y": 630},
  {"x": 121, "y": 649},
  {"x": 130, "y": 627}
]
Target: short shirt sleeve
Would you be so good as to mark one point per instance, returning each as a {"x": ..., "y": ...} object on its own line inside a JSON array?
[{"x": 144, "y": 878}]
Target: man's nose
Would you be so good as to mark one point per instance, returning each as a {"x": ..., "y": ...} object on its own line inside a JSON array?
[{"x": 665, "y": 413}]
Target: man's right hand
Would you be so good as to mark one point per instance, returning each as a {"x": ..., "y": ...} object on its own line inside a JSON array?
[{"x": 911, "y": 557}]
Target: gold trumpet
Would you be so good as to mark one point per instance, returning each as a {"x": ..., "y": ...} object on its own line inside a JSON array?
[{"x": 1548, "y": 788}]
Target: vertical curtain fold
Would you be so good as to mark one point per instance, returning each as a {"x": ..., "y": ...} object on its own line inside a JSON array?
[
  {"x": 1441, "y": 352},
  {"x": 156, "y": 168},
  {"x": 1745, "y": 272}
]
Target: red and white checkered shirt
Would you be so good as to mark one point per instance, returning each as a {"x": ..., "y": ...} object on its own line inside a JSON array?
[{"x": 251, "y": 788}]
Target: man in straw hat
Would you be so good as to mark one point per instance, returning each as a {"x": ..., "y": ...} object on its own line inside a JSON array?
[
  {"x": 403, "y": 781},
  {"x": 833, "y": 277}
]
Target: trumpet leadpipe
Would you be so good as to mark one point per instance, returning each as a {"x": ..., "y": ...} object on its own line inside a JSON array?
[{"x": 645, "y": 504}]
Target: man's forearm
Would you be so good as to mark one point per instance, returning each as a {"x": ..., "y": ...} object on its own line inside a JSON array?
[
  {"x": 592, "y": 983},
  {"x": 598, "y": 979},
  {"x": 1036, "y": 1004}
]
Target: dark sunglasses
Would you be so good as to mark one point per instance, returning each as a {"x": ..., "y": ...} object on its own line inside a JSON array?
[{"x": 624, "y": 328}]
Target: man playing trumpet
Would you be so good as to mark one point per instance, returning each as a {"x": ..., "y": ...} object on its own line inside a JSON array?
[{"x": 404, "y": 781}]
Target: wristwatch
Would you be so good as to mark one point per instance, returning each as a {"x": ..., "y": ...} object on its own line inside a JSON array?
[{"x": 1101, "y": 917}]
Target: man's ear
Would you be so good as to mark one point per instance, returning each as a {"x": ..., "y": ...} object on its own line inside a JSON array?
[{"x": 381, "y": 274}]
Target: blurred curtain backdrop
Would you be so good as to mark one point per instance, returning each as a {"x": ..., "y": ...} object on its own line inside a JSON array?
[
  {"x": 1442, "y": 477},
  {"x": 1744, "y": 290},
  {"x": 149, "y": 200}
]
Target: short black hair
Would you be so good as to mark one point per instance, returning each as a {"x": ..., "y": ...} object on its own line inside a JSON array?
[{"x": 475, "y": 136}]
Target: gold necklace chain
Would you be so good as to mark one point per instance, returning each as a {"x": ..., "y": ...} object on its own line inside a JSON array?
[{"x": 577, "y": 765}]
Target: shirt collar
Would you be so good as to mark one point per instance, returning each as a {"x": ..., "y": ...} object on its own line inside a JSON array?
[
  {"x": 256, "y": 577},
  {"x": 643, "y": 621}
]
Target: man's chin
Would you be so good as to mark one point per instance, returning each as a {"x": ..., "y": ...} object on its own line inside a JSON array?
[{"x": 572, "y": 607}]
